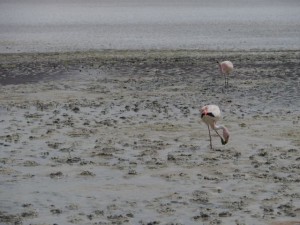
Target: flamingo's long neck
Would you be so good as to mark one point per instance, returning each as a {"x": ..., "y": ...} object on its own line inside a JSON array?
[
  {"x": 218, "y": 127},
  {"x": 225, "y": 137},
  {"x": 220, "y": 67}
]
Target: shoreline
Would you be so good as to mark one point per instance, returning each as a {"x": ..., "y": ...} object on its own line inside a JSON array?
[
  {"x": 149, "y": 52},
  {"x": 64, "y": 61}
]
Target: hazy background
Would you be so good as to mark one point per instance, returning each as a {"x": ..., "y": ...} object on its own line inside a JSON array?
[{"x": 70, "y": 25}]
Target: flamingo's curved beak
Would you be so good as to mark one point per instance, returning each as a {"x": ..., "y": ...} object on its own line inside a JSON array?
[
  {"x": 224, "y": 142},
  {"x": 225, "y": 138}
]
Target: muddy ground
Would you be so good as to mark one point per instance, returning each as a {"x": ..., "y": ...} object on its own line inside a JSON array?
[{"x": 115, "y": 137}]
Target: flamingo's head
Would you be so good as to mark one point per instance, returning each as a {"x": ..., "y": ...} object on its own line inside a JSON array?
[
  {"x": 220, "y": 67},
  {"x": 226, "y": 135},
  {"x": 203, "y": 110}
]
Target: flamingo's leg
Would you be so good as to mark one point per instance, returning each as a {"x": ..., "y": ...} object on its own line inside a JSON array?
[
  {"x": 209, "y": 137},
  {"x": 226, "y": 80}
]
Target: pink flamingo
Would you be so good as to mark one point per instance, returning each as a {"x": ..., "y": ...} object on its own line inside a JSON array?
[
  {"x": 210, "y": 114},
  {"x": 226, "y": 68}
]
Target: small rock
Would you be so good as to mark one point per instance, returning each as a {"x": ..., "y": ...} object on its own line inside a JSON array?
[
  {"x": 75, "y": 109},
  {"x": 87, "y": 173},
  {"x": 56, "y": 211},
  {"x": 242, "y": 125},
  {"x": 57, "y": 174},
  {"x": 30, "y": 214},
  {"x": 225, "y": 214},
  {"x": 73, "y": 160},
  {"x": 132, "y": 172}
]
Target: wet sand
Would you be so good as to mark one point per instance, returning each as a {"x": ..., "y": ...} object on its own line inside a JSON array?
[{"x": 115, "y": 137}]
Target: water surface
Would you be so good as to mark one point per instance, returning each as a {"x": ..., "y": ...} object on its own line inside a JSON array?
[{"x": 46, "y": 26}]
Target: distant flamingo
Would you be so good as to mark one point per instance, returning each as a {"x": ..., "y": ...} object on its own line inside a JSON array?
[
  {"x": 210, "y": 114},
  {"x": 226, "y": 68}
]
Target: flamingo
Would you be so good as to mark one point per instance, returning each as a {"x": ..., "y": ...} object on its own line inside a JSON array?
[
  {"x": 210, "y": 114},
  {"x": 226, "y": 68}
]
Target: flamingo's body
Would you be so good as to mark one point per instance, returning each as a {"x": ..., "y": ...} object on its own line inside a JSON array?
[
  {"x": 210, "y": 114},
  {"x": 226, "y": 68}
]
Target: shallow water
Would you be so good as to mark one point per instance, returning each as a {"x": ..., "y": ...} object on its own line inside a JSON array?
[{"x": 46, "y": 26}]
